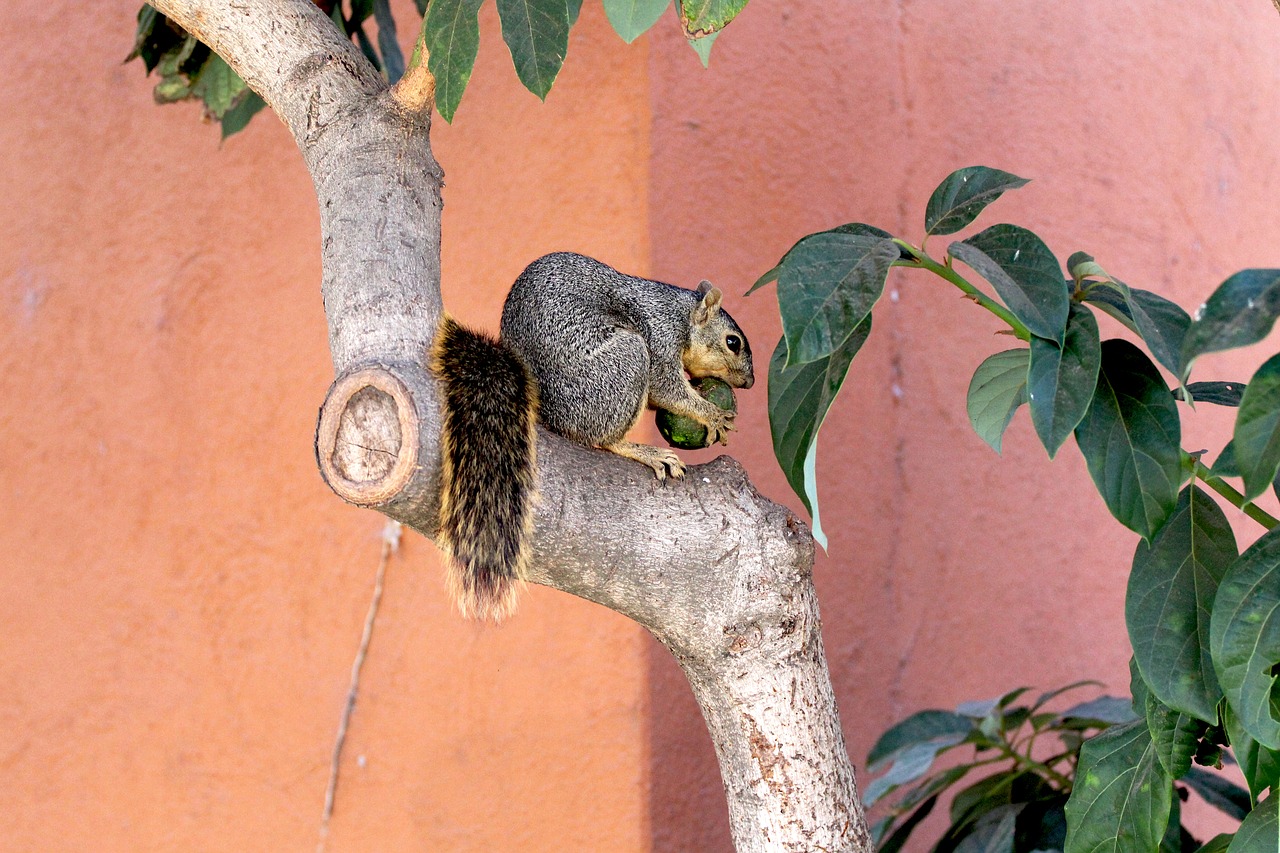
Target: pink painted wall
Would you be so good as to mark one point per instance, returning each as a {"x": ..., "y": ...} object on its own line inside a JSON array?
[{"x": 180, "y": 597}]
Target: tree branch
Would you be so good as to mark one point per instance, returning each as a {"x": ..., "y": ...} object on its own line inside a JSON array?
[{"x": 719, "y": 574}]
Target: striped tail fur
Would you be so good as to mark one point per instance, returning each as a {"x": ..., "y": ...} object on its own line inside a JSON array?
[{"x": 488, "y": 464}]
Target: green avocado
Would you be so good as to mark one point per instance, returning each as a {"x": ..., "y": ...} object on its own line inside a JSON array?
[{"x": 686, "y": 433}]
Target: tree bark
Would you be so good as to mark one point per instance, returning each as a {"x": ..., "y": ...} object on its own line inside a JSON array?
[{"x": 719, "y": 574}]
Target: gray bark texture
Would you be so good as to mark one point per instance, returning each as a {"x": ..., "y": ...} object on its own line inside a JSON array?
[{"x": 719, "y": 574}]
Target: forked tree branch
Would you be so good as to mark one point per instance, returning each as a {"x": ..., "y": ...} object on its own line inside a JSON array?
[{"x": 719, "y": 574}]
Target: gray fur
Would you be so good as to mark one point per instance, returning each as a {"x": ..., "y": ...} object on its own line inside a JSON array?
[{"x": 603, "y": 344}]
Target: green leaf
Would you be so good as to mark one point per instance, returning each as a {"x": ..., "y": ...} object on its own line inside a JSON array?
[
  {"x": 392, "y": 58},
  {"x": 575, "y": 9},
  {"x": 898, "y": 839},
  {"x": 1174, "y": 735},
  {"x": 1025, "y": 274},
  {"x": 998, "y": 388},
  {"x": 1260, "y": 766},
  {"x": 1257, "y": 434},
  {"x": 851, "y": 228},
  {"x": 1050, "y": 695},
  {"x": 1225, "y": 796},
  {"x": 631, "y": 18},
  {"x": 1217, "y": 393},
  {"x": 911, "y": 763},
  {"x": 1218, "y": 844},
  {"x": 702, "y": 46},
  {"x": 921, "y": 727},
  {"x": 218, "y": 86},
  {"x": 237, "y": 118},
  {"x": 1240, "y": 312},
  {"x": 799, "y": 398},
  {"x": 703, "y": 17},
  {"x": 1121, "y": 799},
  {"x": 537, "y": 32},
  {"x": 1170, "y": 599},
  {"x": 1138, "y": 688},
  {"x": 1061, "y": 379},
  {"x": 1226, "y": 466},
  {"x": 453, "y": 40},
  {"x": 1100, "y": 712},
  {"x": 993, "y": 832},
  {"x": 1260, "y": 832},
  {"x": 963, "y": 195},
  {"x": 1245, "y": 638},
  {"x": 1161, "y": 324},
  {"x": 1130, "y": 438},
  {"x": 828, "y": 285}
]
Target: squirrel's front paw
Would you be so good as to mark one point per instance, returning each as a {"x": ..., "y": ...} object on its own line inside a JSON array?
[{"x": 719, "y": 424}]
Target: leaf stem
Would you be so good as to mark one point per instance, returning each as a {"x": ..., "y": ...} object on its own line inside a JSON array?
[
  {"x": 923, "y": 260},
  {"x": 1235, "y": 498}
]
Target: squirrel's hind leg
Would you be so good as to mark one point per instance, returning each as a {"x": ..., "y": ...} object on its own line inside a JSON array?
[{"x": 663, "y": 462}]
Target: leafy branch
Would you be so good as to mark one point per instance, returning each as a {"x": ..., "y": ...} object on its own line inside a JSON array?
[{"x": 1203, "y": 618}]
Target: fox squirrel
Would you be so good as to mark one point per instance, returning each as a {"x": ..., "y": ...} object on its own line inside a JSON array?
[{"x": 584, "y": 349}]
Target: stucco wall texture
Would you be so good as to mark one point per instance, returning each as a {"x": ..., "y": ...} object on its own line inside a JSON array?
[{"x": 180, "y": 596}]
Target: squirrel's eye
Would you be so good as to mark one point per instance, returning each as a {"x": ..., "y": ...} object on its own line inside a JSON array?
[{"x": 734, "y": 343}]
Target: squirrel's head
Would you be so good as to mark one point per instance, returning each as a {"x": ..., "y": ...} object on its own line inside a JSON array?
[{"x": 717, "y": 347}]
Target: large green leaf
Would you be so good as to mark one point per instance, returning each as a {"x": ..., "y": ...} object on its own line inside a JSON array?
[
  {"x": 631, "y": 18},
  {"x": 1174, "y": 736},
  {"x": 1260, "y": 766},
  {"x": 1025, "y": 274},
  {"x": 921, "y": 727},
  {"x": 827, "y": 286},
  {"x": 1260, "y": 832},
  {"x": 963, "y": 195},
  {"x": 537, "y": 32},
  {"x": 1257, "y": 435},
  {"x": 1240, "y": 312},
  {"x": 1131, "y": 437},
  {"x": 1245, "y": 638},
  {"x": 1121, "y": 799},
  {"x": 703, "y": 17},
  {"x": 1170, "y": 599},
  {"x": 453, "y": 39},
  {"x": 1061, "y": 378},
  {"x": 799, "y": 398},
  {"x": 851, "y": 228},
  {"x": 998, "y": 388},
  {"x": 1161, "y": 323}
]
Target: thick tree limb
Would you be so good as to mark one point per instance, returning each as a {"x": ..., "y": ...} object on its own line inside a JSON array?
[{"x": 719, "y": 574}]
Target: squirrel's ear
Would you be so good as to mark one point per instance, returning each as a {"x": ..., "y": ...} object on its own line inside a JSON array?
[{"x": 709, "y": 305}]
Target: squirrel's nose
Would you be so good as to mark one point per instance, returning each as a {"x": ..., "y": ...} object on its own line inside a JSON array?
[{"x": 749, "y": 380}]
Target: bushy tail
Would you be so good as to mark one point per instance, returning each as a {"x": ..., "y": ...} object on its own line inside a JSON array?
[{"x": 488, "y": 447}]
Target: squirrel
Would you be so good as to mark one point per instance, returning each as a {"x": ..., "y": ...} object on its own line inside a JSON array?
[{"x": 584, "y": 349}]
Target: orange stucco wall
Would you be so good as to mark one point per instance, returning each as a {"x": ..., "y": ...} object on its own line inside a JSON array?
[{"x": 181, "y": 598}]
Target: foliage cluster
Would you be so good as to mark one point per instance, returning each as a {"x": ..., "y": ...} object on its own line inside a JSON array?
[
  {"x": 1203, "y": 618},
  {"x": 536, "y": 33},
  {"x": 1029, "y": 756}
]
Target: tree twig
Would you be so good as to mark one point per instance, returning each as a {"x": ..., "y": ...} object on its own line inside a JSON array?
[{"x": 390, "y": 545}]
